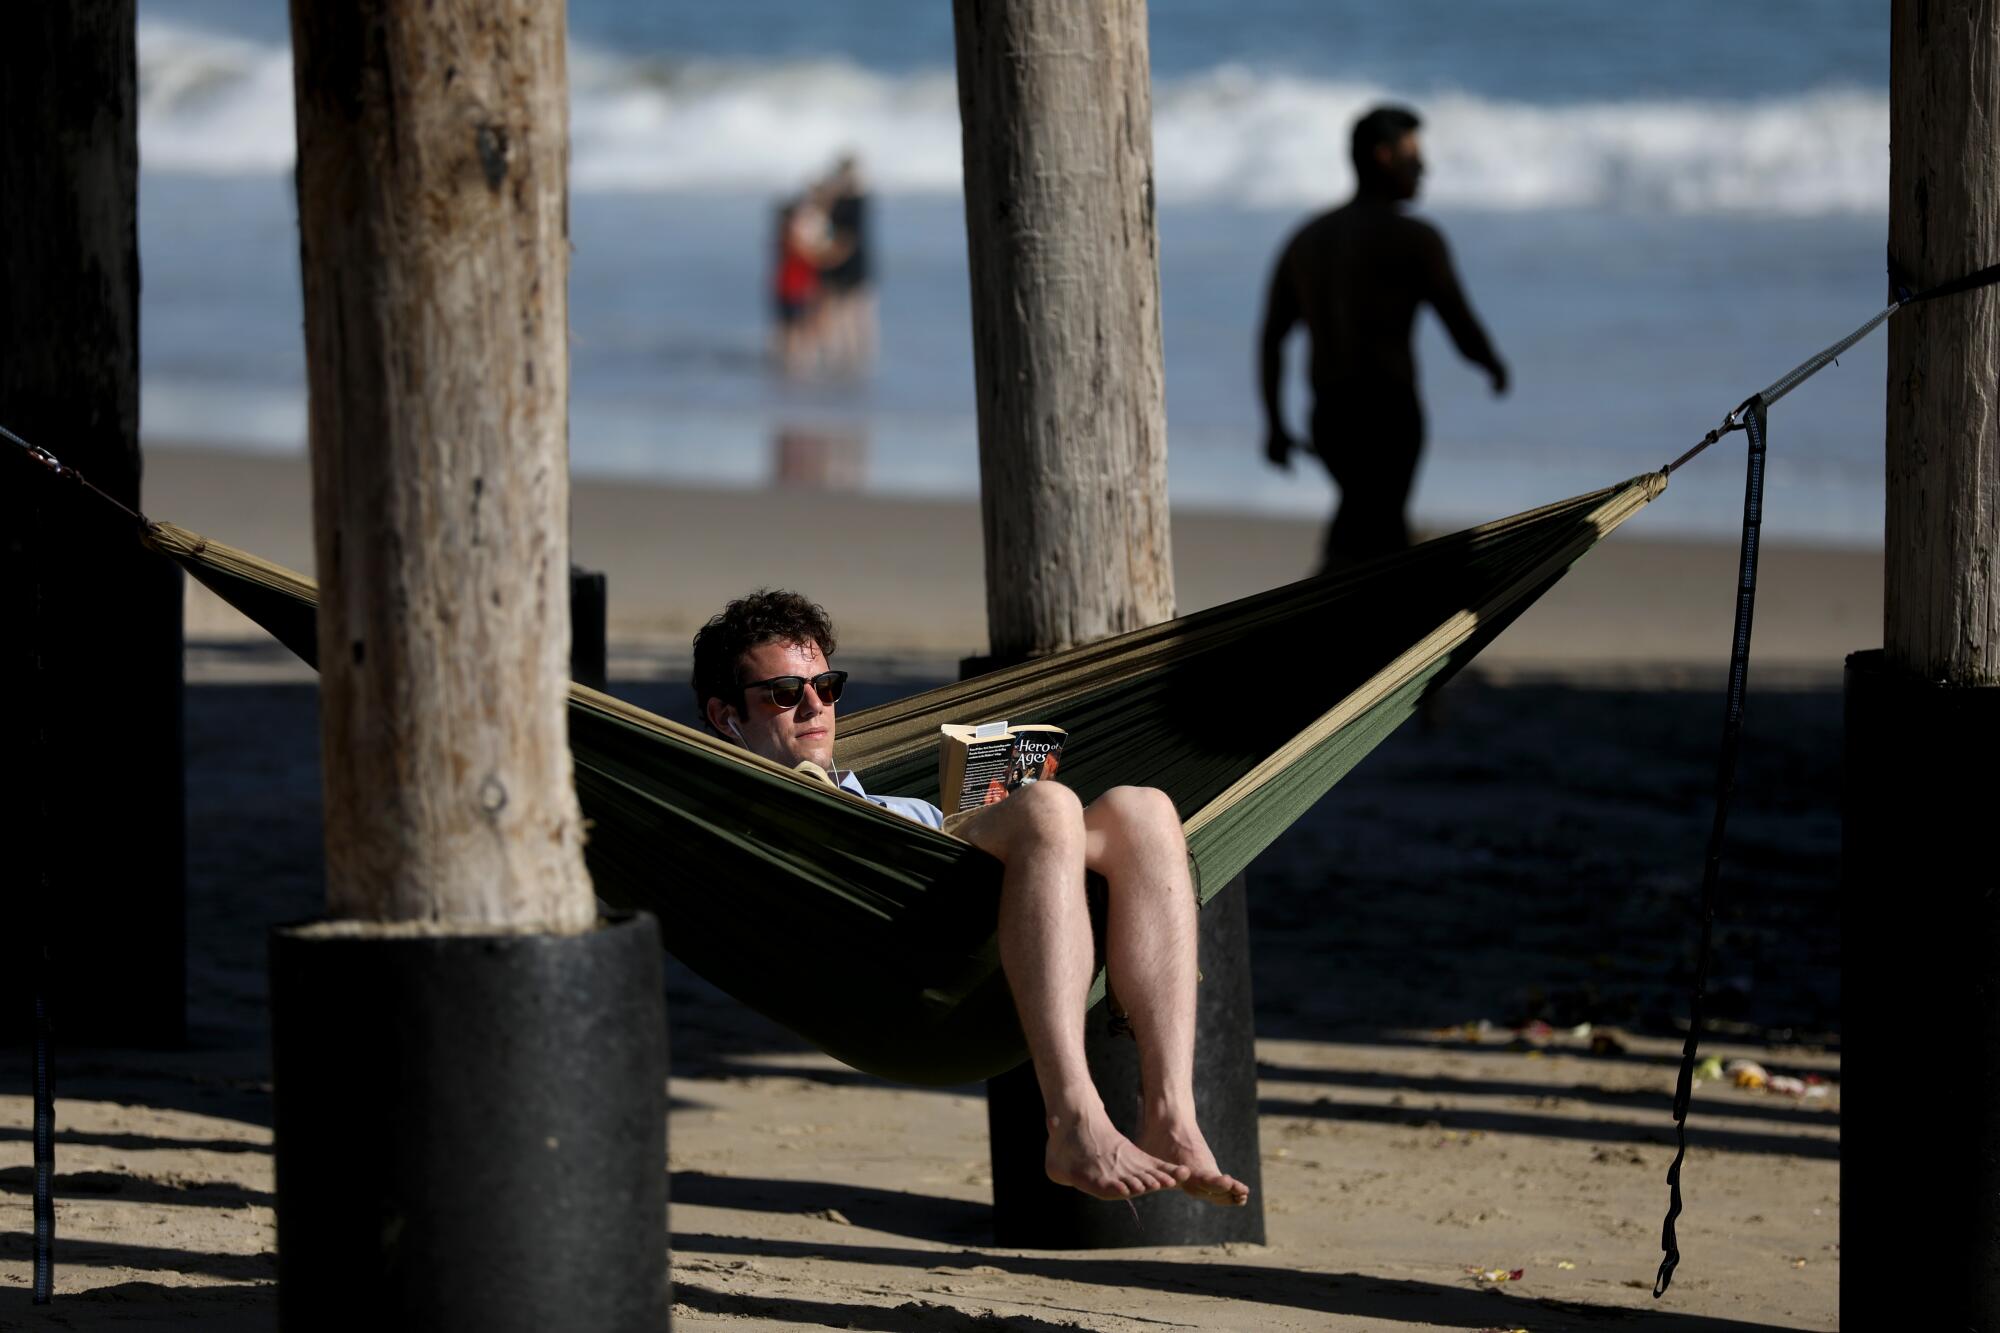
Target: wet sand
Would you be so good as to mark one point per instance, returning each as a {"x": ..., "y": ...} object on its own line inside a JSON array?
[{"x": 906, "y": 577}]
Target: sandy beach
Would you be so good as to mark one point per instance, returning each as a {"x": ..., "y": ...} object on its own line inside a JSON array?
[
  {"x": 905, "y": 577},
  {"x": 1470, "y": 962}
]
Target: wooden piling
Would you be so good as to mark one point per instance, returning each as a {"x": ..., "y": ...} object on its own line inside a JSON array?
[
  {"x": 91, "y": 697},
  {"x": 1055, "y": 106},
  {"x": 433, "y": 219},
  {"x": 469, "y": 1066},
  {"x": 1055, "y": 103},
  {"x": 1920, "y": 884}
]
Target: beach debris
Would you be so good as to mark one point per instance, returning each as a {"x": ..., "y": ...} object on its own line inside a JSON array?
[
  {"x": 1474, "y": 1031},
  {"x": 1812, "y": 1085},
  {"x": 1753, "y": 1077},
  {"x": 1564, "y": 1264},
  {"x": 829, "y": 1215},
  {"x": 1536, "y": 1037},
  {"x": 1746, "y": 1074},
  {"x": 1495, "y": 1276}
]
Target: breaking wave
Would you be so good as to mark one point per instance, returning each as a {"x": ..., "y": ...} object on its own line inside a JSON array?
[{"x": 220, "y": 105}]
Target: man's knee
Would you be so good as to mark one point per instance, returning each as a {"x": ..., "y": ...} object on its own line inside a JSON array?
[
  {"x": 1040, "y": 813},
  {"x": 1047, "y": 806},
  {"x": 1144, "y": 812}
]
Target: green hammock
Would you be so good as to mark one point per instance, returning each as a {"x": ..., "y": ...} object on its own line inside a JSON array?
[{"x": 873, "y": 937}]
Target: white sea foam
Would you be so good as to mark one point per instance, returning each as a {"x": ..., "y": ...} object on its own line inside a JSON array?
[{"x": 212, "y": 104}]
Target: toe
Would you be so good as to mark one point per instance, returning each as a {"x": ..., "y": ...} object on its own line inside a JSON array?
[{"x": 1216, "y": 1188}]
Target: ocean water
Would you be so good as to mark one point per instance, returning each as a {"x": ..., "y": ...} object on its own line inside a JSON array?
[{"x": 1656, "y": 211}]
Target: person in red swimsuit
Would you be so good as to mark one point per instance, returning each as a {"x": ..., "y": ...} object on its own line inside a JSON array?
[{"x": 805, "y": 249}]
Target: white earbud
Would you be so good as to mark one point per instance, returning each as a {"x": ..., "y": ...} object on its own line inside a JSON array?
[{"x": 730, "y": 722}]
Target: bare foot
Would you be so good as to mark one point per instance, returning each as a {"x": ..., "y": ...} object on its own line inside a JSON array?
[
  {"x": 1087, "y": 1153},
  {"x": 1182, "y": 1143}
]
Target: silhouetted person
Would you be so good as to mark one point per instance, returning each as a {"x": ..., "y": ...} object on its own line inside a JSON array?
[{"x": 1356, "y": 276}]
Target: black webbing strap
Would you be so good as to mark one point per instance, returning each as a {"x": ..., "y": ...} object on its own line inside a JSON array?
[
  {"x": 1725, "y": 782},
  {"x": 1754, "y": 421},
  {"x": 1751, "y": 417},
  {"x": 45, "y": 1106},
  {"x": 45, "y": 1143},
  {"x": 1899, "y": 278}
]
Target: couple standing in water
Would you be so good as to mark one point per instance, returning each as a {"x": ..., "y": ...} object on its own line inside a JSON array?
[
  {"x": 822, "y": 278},
  {"x": 1355, "y": 277}
]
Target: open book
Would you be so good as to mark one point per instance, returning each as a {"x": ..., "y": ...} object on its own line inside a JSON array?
[{"x": 978, "y": 765}]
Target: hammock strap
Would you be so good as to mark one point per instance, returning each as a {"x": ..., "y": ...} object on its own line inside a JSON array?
[
  {"x": 39, "y": 963},
  {"x": 1725, "y": 784},
  {"x": 65, "y": 472},
  {"x": 45, "y": 1145},
  {"x": 1750, "y": 416},
  {"x": 1899, "y": 279}
]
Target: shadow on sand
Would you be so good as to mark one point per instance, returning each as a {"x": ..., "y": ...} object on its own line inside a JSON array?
[{"x": 1351, "y": 1295}]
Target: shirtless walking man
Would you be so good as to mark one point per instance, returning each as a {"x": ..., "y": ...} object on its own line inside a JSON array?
[
  {"x": 1355, "y": 277},
  {"x": 761, "y": 679}
]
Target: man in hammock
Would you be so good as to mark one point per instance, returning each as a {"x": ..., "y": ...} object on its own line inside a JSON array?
[
  {"x": 761, "y": 679},
  {"x": 1355, "y": 277}
]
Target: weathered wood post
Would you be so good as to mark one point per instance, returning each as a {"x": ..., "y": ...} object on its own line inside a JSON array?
[
  {"x": 469, "y": 1065},
  {"x": 1055, "y": 104},
  {"x": 93, "y": 701},
  {"x": 1921, "y": 891}
]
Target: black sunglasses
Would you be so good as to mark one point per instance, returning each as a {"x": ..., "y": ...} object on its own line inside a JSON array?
[{"x": 787, "y": 691}]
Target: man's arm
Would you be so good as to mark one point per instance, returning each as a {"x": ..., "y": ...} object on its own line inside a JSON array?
[
  {"x": 1281, "y": 311},
  {"x": 1441, "y": 289}
]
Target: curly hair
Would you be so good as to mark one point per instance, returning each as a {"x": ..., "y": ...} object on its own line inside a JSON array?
[{"x": 768, "y": 615}]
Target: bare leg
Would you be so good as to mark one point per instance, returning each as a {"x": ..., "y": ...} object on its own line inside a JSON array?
[
  {"x": 864, "y": 328},
  {"x": 842, "y": 356},
  {"x": 793, "y": 347},
  {"x": 1045, "y": 951},
  {"x": 1133, "y": 838}
]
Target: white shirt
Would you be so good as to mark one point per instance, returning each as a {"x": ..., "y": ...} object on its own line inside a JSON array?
[{"x": 909, "y": 807}]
